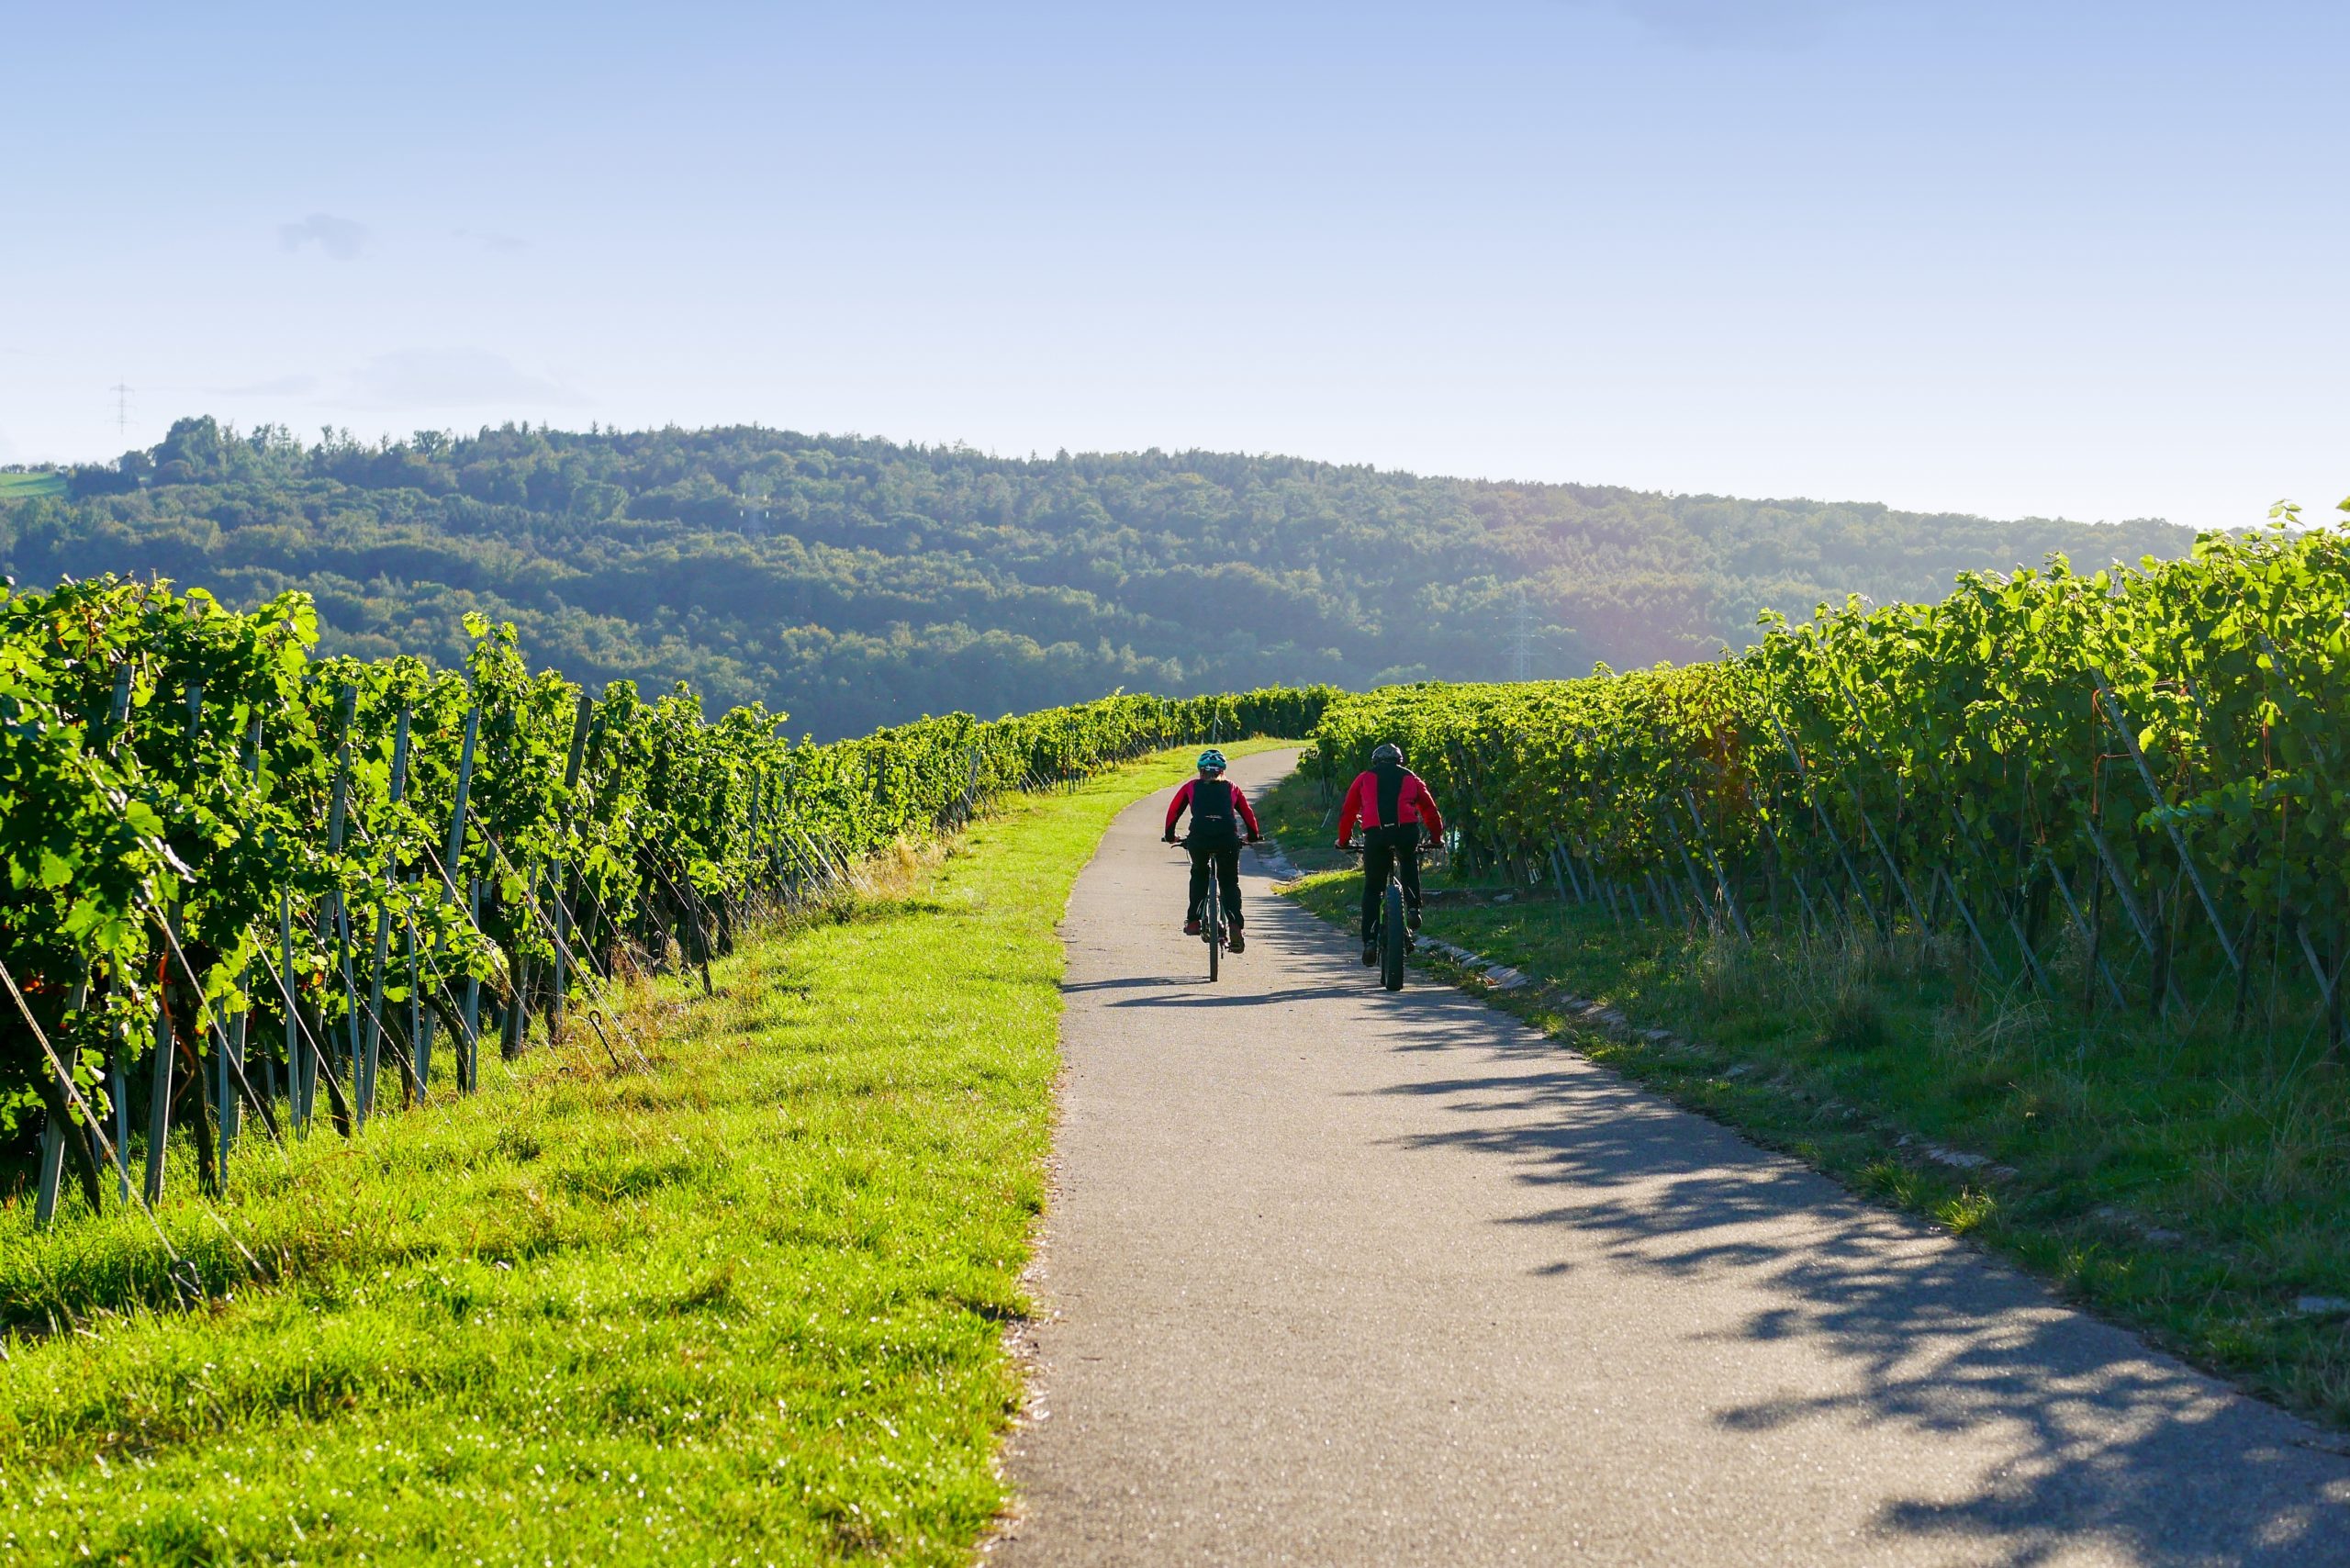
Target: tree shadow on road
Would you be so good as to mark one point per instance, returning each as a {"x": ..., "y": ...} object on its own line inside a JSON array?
[{"x": 2109, "y": 1440}]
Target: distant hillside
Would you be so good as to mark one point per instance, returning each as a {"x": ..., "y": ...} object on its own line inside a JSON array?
[{"x": 855, "y": 582}]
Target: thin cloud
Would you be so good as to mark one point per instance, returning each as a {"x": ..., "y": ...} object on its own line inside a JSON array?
[
  {"x": 338, "y": 238},
  {"x": 453, "y": 378},
  {"x": 490, "y": 239},
  {"x": 274, "y": 386}
]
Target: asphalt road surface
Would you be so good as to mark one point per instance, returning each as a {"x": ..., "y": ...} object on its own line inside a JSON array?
[{"x": 1338, "y": 1276}]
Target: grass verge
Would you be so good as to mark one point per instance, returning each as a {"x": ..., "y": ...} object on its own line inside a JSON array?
[
  {"x": 742, "y": 1303},
  {"x": 2192, "y": 1183}
]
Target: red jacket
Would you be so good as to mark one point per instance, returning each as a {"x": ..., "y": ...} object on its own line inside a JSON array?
[
  {"x": 1182, "y": 800},
  {"x": 1412, "y": 804}
]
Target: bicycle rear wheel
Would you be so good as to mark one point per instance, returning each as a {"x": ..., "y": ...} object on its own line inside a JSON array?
[
  {"x": 1213, "y": 926},
  {"x": 1391, "y": 938}
]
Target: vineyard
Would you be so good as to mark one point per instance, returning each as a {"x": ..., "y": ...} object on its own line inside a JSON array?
[
  {"x": 2126, "y": 790},
  {"x": 253, "y": 892}
]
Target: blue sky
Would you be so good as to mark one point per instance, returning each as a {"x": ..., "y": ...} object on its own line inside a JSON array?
[{"x": 2069, "y": 259}]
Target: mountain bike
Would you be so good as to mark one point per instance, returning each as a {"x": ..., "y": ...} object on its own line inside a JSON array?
[
  {"x": 1212, "y": 929},
  {"x": 1390, "y": 930}
]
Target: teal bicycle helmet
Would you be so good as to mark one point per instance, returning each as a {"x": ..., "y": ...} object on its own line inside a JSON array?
[{"x": 1212, "y": 761}]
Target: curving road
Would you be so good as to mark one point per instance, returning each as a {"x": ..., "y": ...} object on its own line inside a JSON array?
[{"x": 1342, "y": 1277}]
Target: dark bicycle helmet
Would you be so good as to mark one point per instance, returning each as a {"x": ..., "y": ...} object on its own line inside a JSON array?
[
  {"x": 1212, "y": 761},
  {"x": 1388, "y": 751}
]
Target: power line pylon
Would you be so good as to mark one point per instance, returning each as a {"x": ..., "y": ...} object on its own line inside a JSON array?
[{"x": 1521, "y": 642}]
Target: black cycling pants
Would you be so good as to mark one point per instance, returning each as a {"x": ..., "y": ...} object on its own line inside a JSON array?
[
  {"x": 1224, "y": 860},
  {"x": 1385, "y": 847}
]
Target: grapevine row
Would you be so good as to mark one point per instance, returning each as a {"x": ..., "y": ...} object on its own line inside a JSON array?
[
  {"x": 2126, "y": 787},
  {"x": 250, "y": 884}
]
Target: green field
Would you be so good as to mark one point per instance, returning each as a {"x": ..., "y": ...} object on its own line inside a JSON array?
[
  {"x": 2190, "y": 1183},
  {"x": 743, "y": 1303},
  {"x": 24, "y": 487}
]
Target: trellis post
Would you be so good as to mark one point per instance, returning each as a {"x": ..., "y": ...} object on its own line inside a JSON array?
[
  {"x": 159, "y": 1088},
  {"x": 1721, "y": 882},
  {"x": 1811, "y": 798},
  {"x": 232, "y": 1061},
  {"x": 301, "y": 1076},
  {"x": 469, "y": 893},
  {"x": 54, "y": 1129},
  {"x": 336, "y": 918},
  {"x": 2110, "y": 704}
]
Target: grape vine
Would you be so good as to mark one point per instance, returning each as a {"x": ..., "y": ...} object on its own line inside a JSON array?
[
  {"x": 243, "y": 879},
  {"x": 2130, "y": 782}
]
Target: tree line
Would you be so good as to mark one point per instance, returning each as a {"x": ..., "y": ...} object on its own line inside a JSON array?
[{"x": 852, "y": 582}]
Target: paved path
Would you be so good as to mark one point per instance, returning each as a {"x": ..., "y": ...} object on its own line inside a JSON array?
[{"x": 1342, "y": 1277}]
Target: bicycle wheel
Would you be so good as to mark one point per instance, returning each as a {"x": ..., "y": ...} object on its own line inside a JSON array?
[
  {"x": 1212, "y": 925},
  {"x": 1391, "y": 939}
]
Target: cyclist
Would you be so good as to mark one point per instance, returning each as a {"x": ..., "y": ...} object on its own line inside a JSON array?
[
  {"x": 1220, "y": 815},
  {"x": 1395, "y": 808}
]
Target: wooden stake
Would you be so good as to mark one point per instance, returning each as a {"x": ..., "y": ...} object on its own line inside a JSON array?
[
  {"x": 158, "y": 1086},
  {"x": 371, "y": 1032},
  {"x": 232, "y": 1061}
]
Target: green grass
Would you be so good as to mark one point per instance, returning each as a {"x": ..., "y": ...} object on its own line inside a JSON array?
[
  {"x": 24, "y": 487},
  {"x": 745, "y": 1303},
  {"x": 2193, "y": 1182}
]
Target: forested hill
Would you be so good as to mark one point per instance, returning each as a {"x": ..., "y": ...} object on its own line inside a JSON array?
[{"x": 855, "y": 582}]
